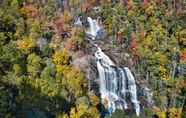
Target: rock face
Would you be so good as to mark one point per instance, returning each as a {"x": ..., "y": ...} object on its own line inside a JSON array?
[{"x": 87, "y": 64}]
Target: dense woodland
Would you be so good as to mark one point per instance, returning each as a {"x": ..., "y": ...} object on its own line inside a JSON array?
[{"x": 39, "y": 42}]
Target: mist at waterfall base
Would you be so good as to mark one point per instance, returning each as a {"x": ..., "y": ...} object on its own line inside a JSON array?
[{"x": 114, "y": 82}]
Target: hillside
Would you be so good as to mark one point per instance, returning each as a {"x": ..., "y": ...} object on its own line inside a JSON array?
[{"x": 92, "y": 59}]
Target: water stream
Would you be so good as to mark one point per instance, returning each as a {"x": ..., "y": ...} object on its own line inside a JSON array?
[{"x": 114, "y": 82}]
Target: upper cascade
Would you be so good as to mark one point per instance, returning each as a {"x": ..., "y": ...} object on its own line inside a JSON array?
[{"x": 94, "y": 30}]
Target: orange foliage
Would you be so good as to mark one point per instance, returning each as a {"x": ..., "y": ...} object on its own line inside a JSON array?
[
  {"x": 183, "y": 56},
  {"x": 70, "y": 44},
  {"x": 94, "y": 99},
  {"x": 120, "y": 37},
  {"x": 30, "y": 11},
  {"x": 180, "y": 84},
  {"x": 128, "y": 3},
  {"x": 60, "y": 23}
]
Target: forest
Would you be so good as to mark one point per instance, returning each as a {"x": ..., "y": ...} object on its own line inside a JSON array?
[{"x": 52, "y": 60}]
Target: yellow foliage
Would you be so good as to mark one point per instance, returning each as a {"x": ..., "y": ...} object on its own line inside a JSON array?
[
  {"x": 160, "y": 57},
  {"x": 94, "y": 99},
  {"x": 17, "y": 68},
  {"x": 73, "y": 78},
  {"x": 29, "y": 11},
  {"x": 45, "y": 86},
  {"x": 62, "y": 116},
  {"x": 162, "y": 69},
  {"x": 74, "y": 2},
  {"x": 150, "y": 9},
  {"x": 131, "y": 13},
  {"x": 63, "y": 68},
  {"x": 182, "y": 36},
  {"x": 61, "y": 57},
  {"x": 159, "y": 113},
  {"x": 163, "y": 98},
  {"x": 26, "y": 43},
  {"x": 82, "y": 110},
  {"x": 75, "y": 81},
  {"x": 173, "y": 112},
  {"x": 163, "y": 73},
  {"x": 67, "y": 16}
]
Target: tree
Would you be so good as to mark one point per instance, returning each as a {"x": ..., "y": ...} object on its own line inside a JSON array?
[
  {"x": 61, "y": 57},
  {"x": 26, "y": 43},
  {"x": 34, "y": 64},
  {"x": 81, "y": 111}
]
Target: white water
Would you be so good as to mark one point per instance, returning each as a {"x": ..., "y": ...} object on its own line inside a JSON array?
[
  {"x": 115, "y": 82},
  {"x": 94, "y": 28},
  {"x": 78, "y": 22}
]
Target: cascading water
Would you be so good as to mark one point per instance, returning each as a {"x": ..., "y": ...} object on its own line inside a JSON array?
[
  {"x": 94, "y": 29},
  {"x": 115, "y": 82},
  {"x": 78, "y": 21}
]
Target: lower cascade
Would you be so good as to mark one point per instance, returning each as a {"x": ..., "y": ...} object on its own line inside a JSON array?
[{"x": 115, "y": 83}]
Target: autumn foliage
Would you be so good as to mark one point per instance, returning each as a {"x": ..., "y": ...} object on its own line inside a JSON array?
[
  {"x": 183, "y": 56},
  {"x": 39, "y": 45},
  {"x": 30, "y": 11}
]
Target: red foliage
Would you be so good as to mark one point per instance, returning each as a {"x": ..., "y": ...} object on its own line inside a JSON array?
[
  {"x": 133, "y": 43},
  {"x": 120, "y": 37},
  {"x": 128, "y": 3},
  {"x": 59, "y": 25},
  {"x": 70, "y": 45},
  {"x": 124, "y": 2},
  {"x": 183, "y": 56},
  {"x": 145, "y": 2},
  {"x": 177, "y": 6},
  {"x": 178, "y": 9}
]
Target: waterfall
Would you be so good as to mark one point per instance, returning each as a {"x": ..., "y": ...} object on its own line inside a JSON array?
[
  {"x": 115, "y": 82},
  {"x": 78, "y": 22},
  {"x": 94, "y": 29}
]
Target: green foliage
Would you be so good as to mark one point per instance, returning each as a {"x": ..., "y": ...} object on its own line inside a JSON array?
[
  {"x": 34, "y": 64},
  {"x": 118, "y": 114},
  {"x": 7, "y": 102}
]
